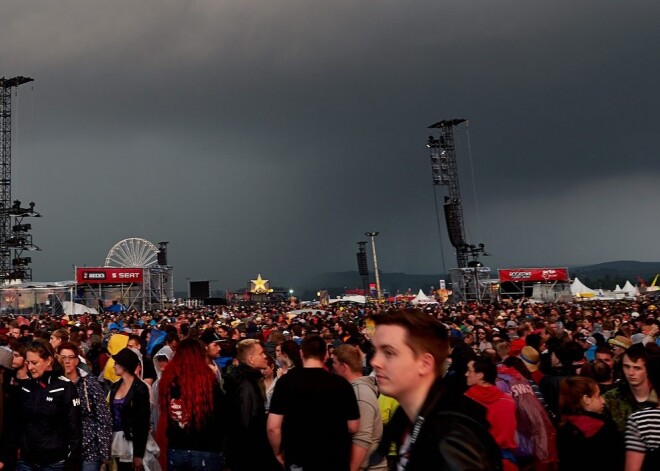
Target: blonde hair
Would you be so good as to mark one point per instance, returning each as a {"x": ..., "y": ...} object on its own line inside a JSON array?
[
  {"x": 349, "y": 355},
  {"x": 244, "y": 348}
]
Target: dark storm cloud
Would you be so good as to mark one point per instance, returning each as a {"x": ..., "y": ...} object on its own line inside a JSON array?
[{"x": 268, "y": 136}]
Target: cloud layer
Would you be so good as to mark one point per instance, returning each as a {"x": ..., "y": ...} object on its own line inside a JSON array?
[{"x": 267, "y": 137}]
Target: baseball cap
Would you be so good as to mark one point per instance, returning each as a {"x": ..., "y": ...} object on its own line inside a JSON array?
[
  {"x": 511, "y": 325},
  {"x": 209, "y": 336}
]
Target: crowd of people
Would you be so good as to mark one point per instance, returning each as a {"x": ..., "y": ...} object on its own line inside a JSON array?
[{"x": 507, "y": 385}]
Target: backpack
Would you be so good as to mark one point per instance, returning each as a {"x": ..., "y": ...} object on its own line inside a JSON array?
[{"x": 536, "y": 433}]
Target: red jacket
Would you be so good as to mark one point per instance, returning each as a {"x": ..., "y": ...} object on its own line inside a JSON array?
[{"x": 501, "y": 414}]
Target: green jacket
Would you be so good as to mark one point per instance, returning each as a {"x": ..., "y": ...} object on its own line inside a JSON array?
[{"x": 620, "y": 403}]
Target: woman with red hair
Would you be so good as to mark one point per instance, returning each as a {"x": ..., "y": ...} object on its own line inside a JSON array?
[{"x": 191, "y": 411}]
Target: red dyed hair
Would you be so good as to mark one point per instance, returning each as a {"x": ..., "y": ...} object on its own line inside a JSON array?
[{"x": 189, "y": 372}]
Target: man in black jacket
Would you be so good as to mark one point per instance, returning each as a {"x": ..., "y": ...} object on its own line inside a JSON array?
[
  {"x": 562, "y": 358},
  {"x": 248, "y": 449},
  {"x": 433, "y": 424}
]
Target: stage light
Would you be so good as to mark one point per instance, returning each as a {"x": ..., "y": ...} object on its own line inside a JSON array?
[
  {"x": 432, "y": 143},
  {"x": 22, "y": 228}
]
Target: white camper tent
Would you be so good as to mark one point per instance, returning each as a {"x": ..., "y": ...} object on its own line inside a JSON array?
[
  {"x": 421, "y": 298},
  {"x": 630, "y": 290},
  {"x": 579, "y": 290}
]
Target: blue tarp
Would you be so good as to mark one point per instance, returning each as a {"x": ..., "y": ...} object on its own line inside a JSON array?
[
  {"x": 156, "y": 337},
  {"x": 115, "y": 308}
]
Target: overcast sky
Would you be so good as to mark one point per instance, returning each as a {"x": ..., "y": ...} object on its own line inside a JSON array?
[{"x": 266, "y": 136}]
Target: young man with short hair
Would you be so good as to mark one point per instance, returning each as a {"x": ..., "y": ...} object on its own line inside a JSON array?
[
  {"x": 313, "y": 414},
  {"x": 432, "y": 424},
  {"x": 605, "y": 355},
  {"x": 636, "y": 392},
  {"x": 347, "y": 363}
]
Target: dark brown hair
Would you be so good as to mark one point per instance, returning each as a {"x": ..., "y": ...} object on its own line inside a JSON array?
[
  {"x": 571, "y": 392},
  {"x": 424, "y": 333},
  {"x": 41, "y": 347}
]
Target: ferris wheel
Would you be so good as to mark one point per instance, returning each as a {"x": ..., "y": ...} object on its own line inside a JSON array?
[{"x": 133, "y": 252}]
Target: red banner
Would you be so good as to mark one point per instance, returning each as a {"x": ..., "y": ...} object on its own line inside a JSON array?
[
  {"x": 104, "y": 275},
  {"x": 534, "y": 274}
]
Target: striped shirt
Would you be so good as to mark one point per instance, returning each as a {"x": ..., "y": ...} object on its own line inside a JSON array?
[{"x": 643, "y": 430}]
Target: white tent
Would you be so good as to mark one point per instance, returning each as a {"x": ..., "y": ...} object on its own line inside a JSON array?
[
  {"x": 351, "y": 298},
  {"x": 630, "y": 290},
  {"x": 580, "y": 290},
  {"x": 617, "y": 289},
  {"x": 421, "y": 298},
  {"x": 77, "y": 308}
]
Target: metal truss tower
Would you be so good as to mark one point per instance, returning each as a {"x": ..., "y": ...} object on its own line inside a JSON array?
[
  {"x": 445, "y": 172},
  {"x": 8, "y": 239}
]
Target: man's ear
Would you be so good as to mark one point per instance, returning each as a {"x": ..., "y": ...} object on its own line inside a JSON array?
[{"x": 426, "y": 363}]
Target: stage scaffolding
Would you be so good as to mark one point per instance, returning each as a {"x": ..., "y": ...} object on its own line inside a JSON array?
[
  {"x": 154, "y": 291},
  {"x": 473, "y": 284}
]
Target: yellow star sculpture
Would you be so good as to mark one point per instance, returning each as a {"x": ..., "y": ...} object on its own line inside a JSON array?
[{"x": 259, "y": 285}]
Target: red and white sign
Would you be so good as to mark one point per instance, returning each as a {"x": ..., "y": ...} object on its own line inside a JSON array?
[
  {"x": 104, "y": 275},
  {"x": 534, "y": 274}
]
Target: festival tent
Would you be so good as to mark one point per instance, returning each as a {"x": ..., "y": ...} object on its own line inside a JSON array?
[
  {"x": 77, "y": 308},
  {"x": 421, "y": 298},
  {"x": 617, "y": 289},
  {"x": 630, "y": 290},
  {"x": 580, "y": 290},
  {"x": 607, "y": 295}
]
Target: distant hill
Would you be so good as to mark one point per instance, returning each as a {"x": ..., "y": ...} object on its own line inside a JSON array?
[
  {"x": 337, "y": 282},
  {"x": 603, "y": 275},
  {"x": 607, "y": 275}
]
